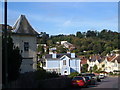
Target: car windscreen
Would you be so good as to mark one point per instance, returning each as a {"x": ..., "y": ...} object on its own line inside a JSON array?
[{"x": 77, "y": 78}]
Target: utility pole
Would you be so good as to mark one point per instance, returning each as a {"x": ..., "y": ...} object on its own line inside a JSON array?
[{"x": 5, "y": 37}]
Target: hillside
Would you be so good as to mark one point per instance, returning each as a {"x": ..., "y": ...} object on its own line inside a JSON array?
[{"x": 86, "y": 43}]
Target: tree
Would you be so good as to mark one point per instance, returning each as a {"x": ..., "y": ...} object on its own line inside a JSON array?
[
  {"x": 60, "y": 49},
  {"x": 97, "y": 49},
  {"x": 84, "y": 68},
  {"x": 91, "y": 33},
  {"x": 79, "y": 34},
  {"x": 95, "y": 68},
  {"x": 41, "y": 49},
  {"x": 43, "y": 38},
  {"x": 14, "y": 59}
]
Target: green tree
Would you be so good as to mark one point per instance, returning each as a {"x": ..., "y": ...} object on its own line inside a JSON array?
[
  {"x": 91, "y": 33},
  {"x": 60, "y": 49},
  {"x": 41, "y": 49},
  {"x": 79, "y": 34},
  {"x": 95, "y": 68},
  {"x": 84, "y": 68},
  {"x": 14, "y": 59}
]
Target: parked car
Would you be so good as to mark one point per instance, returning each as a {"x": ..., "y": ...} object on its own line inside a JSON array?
[
  {"x": 101, "y": 76},
  {"x": 88, "y": 79},
  {"x": 79, "y": 81},
  {"x": 92, "y": 75}
]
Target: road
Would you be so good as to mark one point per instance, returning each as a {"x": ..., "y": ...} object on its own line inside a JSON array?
[{"x": 109, "y": 82}]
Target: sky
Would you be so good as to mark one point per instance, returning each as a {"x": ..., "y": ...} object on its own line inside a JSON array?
[{"x": 66, "y": 17}]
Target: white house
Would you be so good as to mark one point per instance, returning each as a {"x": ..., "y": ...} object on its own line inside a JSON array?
[
  {"x": 63, "y": 63},
  {"x": 112, "y": 63},
  {"x": 67, "y": 45},
  {"x": 25, "y": 37},
  {"x": 94, "y": 60}
]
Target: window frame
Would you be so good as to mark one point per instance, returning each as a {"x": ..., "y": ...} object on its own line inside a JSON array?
[{"x": 26, "y": 46}]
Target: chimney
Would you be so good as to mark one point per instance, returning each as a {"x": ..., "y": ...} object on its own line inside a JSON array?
[
  {"x": 72, "y": 55},
  {"x": 54, "y": 55}
]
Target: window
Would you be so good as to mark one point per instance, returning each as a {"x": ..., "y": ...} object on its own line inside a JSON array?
[
  {"x": 64, "y": 62},
  {"x": 26, "y": 46}
]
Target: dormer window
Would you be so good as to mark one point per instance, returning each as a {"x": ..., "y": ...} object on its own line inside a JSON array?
[{"x": 26, "y": 46}]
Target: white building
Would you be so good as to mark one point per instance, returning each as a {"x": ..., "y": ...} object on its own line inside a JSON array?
[
  {"x": 112, "y": 63},
  {"x": 25, "y": 37},
  {"x": 94, "y": 60},
  {"x": 62, "y": 63}
]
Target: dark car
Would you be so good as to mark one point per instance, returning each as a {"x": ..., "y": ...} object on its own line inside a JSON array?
[
  {"x": 88, "y": 79},
  {"x": 79, "y": 81}
]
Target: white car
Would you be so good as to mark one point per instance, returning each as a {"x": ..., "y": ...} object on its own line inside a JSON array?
[{"x": 101, "y": 76}]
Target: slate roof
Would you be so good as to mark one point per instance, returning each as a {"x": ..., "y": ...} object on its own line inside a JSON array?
[
  {"x": 94, "y": 58},
  {"x": 59, "y": 55},
  {"x": 22, "y": 26}
]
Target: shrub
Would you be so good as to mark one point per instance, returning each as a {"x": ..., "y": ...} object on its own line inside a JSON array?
[
  {"x": 41, "y": 74},
  {"x": 73, "y": 74},
  {"x": 111, "y": 73}
]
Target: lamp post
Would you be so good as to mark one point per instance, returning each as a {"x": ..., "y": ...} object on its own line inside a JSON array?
[{"x": 5, "y": 37}]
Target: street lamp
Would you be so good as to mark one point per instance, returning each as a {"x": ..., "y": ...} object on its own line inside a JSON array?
[{"x": 5, "y": 38}]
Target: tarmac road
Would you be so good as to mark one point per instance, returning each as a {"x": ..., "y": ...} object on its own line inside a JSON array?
[{"x": 109, "y": 83}]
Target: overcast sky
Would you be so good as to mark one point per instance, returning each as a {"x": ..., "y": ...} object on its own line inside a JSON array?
[{"x": 66, "y": 17}]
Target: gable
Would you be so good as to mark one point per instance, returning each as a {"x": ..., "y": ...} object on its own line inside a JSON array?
[{"x": 64, "y": 57}]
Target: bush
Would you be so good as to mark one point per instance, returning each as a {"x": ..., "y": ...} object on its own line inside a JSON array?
[
  {"x": 41, "y": 74},
  {"x": 73, "y": 74},
  {"x": 111, "y": 73}
]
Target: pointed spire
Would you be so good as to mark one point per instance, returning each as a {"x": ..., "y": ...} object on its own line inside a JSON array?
[{"x": 22, "y": 26}]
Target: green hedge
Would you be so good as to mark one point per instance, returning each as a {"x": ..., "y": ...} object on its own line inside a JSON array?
[
  {"x": 73, "y": 74},
  {"x": 41, "y": 74}
]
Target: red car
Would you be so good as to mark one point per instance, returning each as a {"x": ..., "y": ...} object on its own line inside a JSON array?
[{"x": 79, "y": 81}]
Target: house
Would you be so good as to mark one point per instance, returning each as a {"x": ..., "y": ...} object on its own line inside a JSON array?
[
  {"x": 67, "y": 45},
  {"x": 116, "y": 61},
  {"x": 112, "y": 63},
  {"x": 94, "y": 60},
  {"x": 25, "y": 37},
  {"x": 62, "y": 63}
]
